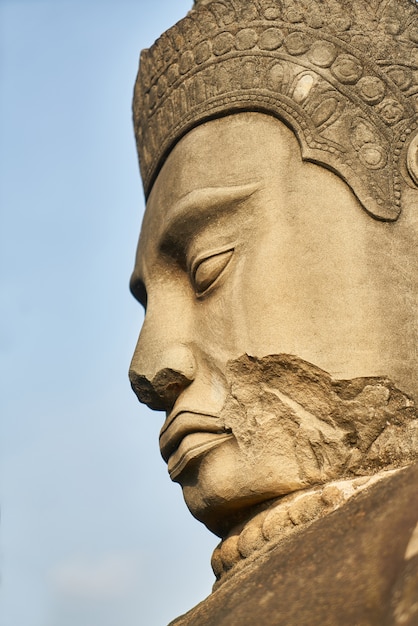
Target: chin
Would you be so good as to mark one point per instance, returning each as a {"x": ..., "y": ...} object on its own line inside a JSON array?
[{"x": 222, "y": 489}]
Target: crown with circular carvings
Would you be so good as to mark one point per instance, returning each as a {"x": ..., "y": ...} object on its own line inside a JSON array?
[{"x": 343, "y": 74}]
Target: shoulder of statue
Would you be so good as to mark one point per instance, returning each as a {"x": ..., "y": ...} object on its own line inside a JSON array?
[
  {"x": 405, "y": 592},
  {"x": 404, "y": 598}
]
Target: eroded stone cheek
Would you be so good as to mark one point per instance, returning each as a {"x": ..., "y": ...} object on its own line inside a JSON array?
[
  {"x": 271, "y": 428},
  {"x": 265, "y": 436},
  {"x": 286, "y": 412}
]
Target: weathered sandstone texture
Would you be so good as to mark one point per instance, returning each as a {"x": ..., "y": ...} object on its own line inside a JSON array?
[{"x": 277, "y": 264}]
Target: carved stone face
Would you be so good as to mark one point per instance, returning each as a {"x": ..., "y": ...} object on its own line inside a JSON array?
[{"x": 245, "y": 249}]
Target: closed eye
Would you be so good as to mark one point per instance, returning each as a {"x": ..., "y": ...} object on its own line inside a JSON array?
[{"x": 206, "y": 272}]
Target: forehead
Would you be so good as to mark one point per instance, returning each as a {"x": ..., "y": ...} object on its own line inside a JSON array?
[{"x": 233, "y": 151}]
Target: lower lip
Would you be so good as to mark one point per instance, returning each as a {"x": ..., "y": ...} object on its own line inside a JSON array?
[{"x": 192, "y": 447}]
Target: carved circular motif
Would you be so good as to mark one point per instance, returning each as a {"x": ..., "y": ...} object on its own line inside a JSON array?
[
  {"x": 294, "y": 16},
  {"x": 223, "y": 43},
  {"x": 202, "y": 52},
  {"x": 249, "y": 13},
  {"x": 271, "y": 12},
  {"x": 391, "y": 111},
  {"x": 271, "y": 39},
  {"x": 173, "y": 73},
  {"x": 177, "y": 38},
  {"x": 297, "y": 43},
  {"x": 324, "y": 111},
  {"x": 322, "y": 53},
  {"x": 402, "y": 76},
  {"x": 161, "y": 86},
  {"x": 342, "y": 23},
  {"x": 347, "y": 69},
  {"x": 314, "y": 20},
  {"x": 303, "y": 88},
  {"x": 216, "y": 563},
  {"x": 250, "y": 539},
  {"x": 276, "y": 75},
  {"x": 372, "y": 89},
  {"x": 246, "y": 39},
  {"x": 229, "y": 552},
  {"x": 276, "y": 520},
  {"x": 372, "y": 156},
  {"x": 186, "y": 62},
  {"x": 207, "y": 22}
]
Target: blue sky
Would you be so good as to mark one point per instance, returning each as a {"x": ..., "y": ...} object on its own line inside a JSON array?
[{"x": 93, "y": 533}]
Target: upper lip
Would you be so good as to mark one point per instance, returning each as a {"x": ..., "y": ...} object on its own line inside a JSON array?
[{"x": 183, "y": 423}]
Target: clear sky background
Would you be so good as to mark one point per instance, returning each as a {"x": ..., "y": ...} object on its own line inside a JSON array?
[{"x": 93, "y": 532}]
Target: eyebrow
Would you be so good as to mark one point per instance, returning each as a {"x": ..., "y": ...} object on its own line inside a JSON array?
[
  {"x": 195, "y": 208},
  {"x": 207, "y": 199}
]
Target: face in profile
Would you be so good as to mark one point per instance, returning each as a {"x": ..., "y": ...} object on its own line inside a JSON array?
[{"x": 247, "y": 250}]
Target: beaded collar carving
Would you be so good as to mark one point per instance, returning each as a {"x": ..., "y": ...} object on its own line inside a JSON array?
[
  {"x": 342, "y": 74},
  {"x": 282, "y": 519}
]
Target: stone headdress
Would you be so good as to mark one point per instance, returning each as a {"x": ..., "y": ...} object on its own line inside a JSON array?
[{"x": 343, "y": 74}]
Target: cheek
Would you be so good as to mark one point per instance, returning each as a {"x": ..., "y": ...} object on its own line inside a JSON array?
[
  {"x": 238, "y": 317},
  {"x": 266, "y": 434},
  {"x": 251, "y": 310},
  {"x": 215, "y": 326},
  {"x": 265, "y": 289}
]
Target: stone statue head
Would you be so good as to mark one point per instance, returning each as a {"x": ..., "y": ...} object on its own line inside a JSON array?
[{"x": 279, "y": 153}]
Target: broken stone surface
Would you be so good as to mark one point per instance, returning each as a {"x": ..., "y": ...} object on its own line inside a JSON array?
[
  {"x": 327, "y": 428},
  {"x": 318, "y": 433}
]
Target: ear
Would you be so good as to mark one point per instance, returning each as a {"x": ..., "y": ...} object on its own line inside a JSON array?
[{"x": 412, "y": 158}]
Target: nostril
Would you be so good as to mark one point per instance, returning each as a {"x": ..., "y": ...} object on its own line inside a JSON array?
[
  {"x": 162, "y": 392},
  {"x": 168, "y": 384},
  {"x": 145, "y": 392}
]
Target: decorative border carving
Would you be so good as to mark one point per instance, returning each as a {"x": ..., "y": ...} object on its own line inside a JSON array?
[{"x": 342, "y": 75}]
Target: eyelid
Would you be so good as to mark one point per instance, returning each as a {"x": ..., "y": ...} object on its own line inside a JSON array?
[
  {"x": 197, "y": 263},
  {"x": 194, "y": 264}
]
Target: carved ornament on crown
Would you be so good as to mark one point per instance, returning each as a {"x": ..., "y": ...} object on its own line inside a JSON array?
[{"x": 342, "y": 75}]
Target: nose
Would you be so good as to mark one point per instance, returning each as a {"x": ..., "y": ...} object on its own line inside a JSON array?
[{"x": 159, "y": 380}]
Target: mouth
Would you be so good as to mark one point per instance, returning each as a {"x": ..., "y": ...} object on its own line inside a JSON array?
[{"x": 186, "y": 436}]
